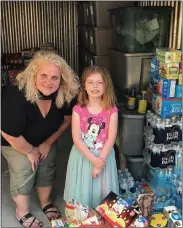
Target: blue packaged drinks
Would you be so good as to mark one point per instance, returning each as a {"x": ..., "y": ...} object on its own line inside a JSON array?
[
  {"x": 166, "y": 88},
  {"x": 178, "y": 91},
  {"x": 167, "y": 108}
]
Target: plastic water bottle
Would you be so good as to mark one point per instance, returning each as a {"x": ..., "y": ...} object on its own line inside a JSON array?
[{"x": 124, "y": 187}]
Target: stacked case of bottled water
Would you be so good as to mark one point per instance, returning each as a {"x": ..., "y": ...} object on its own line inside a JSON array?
[
  {"x": 163, "y": 154},
  {"x": 163, "y": 128}
]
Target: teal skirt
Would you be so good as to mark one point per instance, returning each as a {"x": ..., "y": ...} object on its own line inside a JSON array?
[{"x": 80, "y": 185}]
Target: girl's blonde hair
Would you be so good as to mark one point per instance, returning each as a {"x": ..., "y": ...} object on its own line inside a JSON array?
[
  {"x": 109, "y": 97},
  {"x": 69, "y": 85}
]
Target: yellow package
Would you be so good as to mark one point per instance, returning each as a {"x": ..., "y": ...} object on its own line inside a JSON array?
[
  {"x": 179, "y": 81},
  {"x": 169, "y": 70}
]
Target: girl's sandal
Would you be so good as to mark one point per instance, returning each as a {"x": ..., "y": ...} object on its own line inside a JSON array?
[
  {"x": 54, "y": 210},
  {"x": 24, "y": 219}
]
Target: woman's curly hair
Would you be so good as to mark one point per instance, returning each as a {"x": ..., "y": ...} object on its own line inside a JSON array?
[{"x": 69, "y": 85}]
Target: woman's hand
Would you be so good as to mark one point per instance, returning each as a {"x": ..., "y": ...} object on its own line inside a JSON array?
[
  {"x": 96, "y": 172},
  {"x": 44, "y": 149},
  {"x": 33, "y": 157},
  {"x": 99, "y": 163}
]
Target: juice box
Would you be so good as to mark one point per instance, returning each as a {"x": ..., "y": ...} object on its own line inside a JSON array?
[
  {"x": 166, "y": 108},
  {"x": 166, "y": 88},
  {"x": 169, "y": 70},
  {"x": 168, "y": 55}
]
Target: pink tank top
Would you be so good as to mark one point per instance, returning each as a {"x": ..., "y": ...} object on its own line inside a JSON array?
[{"x": 94, "y": 127}]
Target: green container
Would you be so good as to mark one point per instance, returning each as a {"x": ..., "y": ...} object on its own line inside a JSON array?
[{"x": 140, "y": 29}]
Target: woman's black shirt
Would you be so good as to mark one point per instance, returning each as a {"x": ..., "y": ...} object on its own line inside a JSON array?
[{"x": 20, "y": 117}]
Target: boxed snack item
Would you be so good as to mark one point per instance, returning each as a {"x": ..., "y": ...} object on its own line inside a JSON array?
[
  {"x": 166, "y": 88},
  {"x": 91, "y": 221},
  {"x": 168, "y": 210},
  {"x": 58, "y": 223},
  {"x": 145, "y": 202},
  {"x": 175, "y": 220},
  {"x": 167, "y": 108},
  {"x": 168, "y": 55},
  {"x": 116, "y": 211},
  {"x": 76, "y": 210},
  {"x": 158, "y": 220},
  {"x": 140, "y": 221},
  {"x": 72, "y": 223},
  {"x": 169, "y": 70}
]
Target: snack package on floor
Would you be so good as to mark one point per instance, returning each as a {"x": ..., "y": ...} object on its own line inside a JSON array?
[
  {"x": 175, "y": 220},
  {"x": 168, "y": 210},
  {"x": 76, "y": 210},
  {"x": 116, "y": 211},
  {"x": 158, "y": 220},
  {"x": 100, "y": 219},
  {"x": 145, "y": 202},
  {"x": 58, "y": 223},
  {"x": 72, "y": 223},
  {"x": 140, "y": 221}
]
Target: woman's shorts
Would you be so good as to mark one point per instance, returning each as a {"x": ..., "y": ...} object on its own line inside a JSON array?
[{"x": 22, "y": 178}]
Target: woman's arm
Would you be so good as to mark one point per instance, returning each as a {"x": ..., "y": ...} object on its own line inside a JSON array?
[
  {"x": 112, "y": 132},
  {"x": 18, "y": 143},
  {"x": 78, "y": 142},
  {"x": 21, "y": 145}
]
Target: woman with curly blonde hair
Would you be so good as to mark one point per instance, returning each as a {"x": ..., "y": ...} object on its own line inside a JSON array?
[{"x": 35, "y": 113}]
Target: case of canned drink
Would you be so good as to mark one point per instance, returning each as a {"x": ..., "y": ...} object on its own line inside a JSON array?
[
  {"x": 166, "y": 88},
  {"x": 167, "y": 107}
]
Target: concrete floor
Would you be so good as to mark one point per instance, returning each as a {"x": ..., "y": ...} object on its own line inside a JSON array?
[{"x": 7, "y": 205}]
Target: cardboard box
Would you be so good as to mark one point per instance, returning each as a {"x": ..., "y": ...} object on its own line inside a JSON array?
[
  {"x": 166, "y": 88},
  {"x": 168, "y": 55},
  {"x": 179, "y": 80},
  {"x": 178, "y": 91},
  {"x": 116, "y": 211},
  {"x": 155, "y": 63},
  {"x": 166, "y": 108},
  {"x": 154, "y": 79},
  {"x": 169, "y": 70},
  {"x": 168, "y": 210},
  {"x": 175, "y": 220}
]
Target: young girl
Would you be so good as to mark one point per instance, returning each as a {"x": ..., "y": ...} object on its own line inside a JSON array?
[{"x": 91, "y": 172}]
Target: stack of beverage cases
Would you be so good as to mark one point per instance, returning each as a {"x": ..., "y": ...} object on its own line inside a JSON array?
[{"x": 116, "y": 212}]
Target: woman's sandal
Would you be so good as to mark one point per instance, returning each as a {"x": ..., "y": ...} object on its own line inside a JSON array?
[
  {"x": 23, "y": 220},
  {"x": 56, "y": 211}
]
